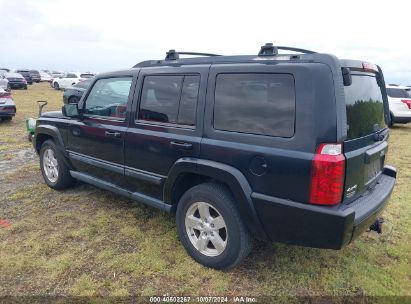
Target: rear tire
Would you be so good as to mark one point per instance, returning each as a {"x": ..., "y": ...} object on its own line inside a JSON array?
[
  {"x": 55, "y": 172},
  {"x": 211, "y": 228},
  {"x": 391, "y": 124},
  {"x": 56, "y": 86}
]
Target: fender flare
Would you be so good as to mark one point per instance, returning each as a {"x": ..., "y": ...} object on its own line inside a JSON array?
[
  {"x": 54, "y": 133},
  {"x": 226, "y": 174}
]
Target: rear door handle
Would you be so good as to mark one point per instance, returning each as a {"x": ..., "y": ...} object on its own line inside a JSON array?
[
  {"x": 112, "y": 134},
  {"x": 181, "y": 145}
]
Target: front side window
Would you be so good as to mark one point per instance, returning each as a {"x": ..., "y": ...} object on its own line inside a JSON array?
[
  {"x": 262, "y": 104},
  {"x": 169, "y": 99},
  {"x": 108, "y": 97}
]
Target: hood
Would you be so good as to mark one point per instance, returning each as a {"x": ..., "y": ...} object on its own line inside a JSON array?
[{"x": 53, "y": 114}]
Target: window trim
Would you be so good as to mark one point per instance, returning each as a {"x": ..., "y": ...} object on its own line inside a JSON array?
[
  {"x": 249, "y": 133},
  {"x": 139, "y": 121},
  {"x": 108, "y": 118}
]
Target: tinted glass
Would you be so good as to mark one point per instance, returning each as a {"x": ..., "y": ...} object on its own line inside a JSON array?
[
  {"x": 87, "y": 75},
  {"x": 71, "y": 76},
  {"x": 160, "y": 98},
  {"x": 364, "y": 104},
  {"x": 108, "y": 97},
  {"x": 398, "y": 93},
  {"x": 188, "y": 102},
  {"x": 255, "y": 103},
  {"x": 83, "y": 84}
]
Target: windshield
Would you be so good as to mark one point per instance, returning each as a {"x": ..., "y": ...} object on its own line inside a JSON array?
[
  {"x": 398, "y": 93},
  {"x": 365, "y": 107}
]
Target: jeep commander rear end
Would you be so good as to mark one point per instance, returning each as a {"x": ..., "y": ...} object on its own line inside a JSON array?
[{"x": 279, "y": 147}]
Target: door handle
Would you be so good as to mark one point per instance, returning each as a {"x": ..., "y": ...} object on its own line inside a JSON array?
[
  {"x": 181, "y": 145},
  {"x": 112, "y": 134}
]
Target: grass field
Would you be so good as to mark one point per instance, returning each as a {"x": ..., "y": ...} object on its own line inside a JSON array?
[{"x": 86, "y": 241}]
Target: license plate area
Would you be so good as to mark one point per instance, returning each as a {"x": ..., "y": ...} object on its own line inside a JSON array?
[
  {"x": 373, "y": 170},
  {"x": 374, "y": 162}
]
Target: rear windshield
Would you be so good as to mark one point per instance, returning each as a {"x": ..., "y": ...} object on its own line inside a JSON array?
[
  {"x": 398, "y": 93},
  {"x": 86, "y": 75},
  {"x": 365, "y": 107}
]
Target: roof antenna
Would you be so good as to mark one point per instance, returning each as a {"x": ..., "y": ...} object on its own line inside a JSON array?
[{"x": 268, "y": 50}]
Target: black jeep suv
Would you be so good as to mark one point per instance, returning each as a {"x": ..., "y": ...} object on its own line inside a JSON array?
[{"x": 278, "y": 147}]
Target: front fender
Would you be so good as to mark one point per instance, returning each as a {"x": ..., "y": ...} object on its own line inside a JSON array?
[
  {"x": 232, "y": 177},
  {"x": 51, "y": 131}
]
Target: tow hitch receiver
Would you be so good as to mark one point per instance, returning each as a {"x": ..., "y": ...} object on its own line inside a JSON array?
[{"x": 377, "y": 226}]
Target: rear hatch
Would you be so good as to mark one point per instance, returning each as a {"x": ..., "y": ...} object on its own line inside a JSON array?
[{"x": 367, "y": 134}]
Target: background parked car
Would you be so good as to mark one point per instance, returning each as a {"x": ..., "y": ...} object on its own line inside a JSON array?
[
  {"x": 399, "y": 100},
  {"x": 26, "y": 74},
  {"x": 16, "y": 81},
  {"x": 72, "y": 94},
  {"x": 45, "y": 77},
  {"x": 87, "y": 75},
  {"x": 35, "y": 75},
  {"x": 7, "y": 106},
  {"x": 4, "y": 83},
  {"x": 67, "y": 80}
]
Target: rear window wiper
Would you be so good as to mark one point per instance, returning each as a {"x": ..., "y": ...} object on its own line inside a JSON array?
[{"x": 381, "y": 134}]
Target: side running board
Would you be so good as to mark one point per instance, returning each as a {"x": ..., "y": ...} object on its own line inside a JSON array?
[{"x": 137, "y": 196}]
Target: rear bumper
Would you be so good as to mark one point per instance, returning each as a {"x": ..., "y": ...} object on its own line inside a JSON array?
[
  {"x": 319, "y": 226},
  {"x": 7, "y": 111},
  {"x": 405, "y": 119},
  {"x": 17, "y": 85}
]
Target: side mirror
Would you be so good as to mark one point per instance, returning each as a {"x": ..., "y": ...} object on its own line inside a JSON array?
[{"x": 71, "y": 110}]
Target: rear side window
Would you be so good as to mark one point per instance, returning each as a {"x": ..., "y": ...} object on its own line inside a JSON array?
[
  {"x": 71, "y": 76},
  {"x": 398, "y": 93},
  {"x": 262, "y": 104},
  {"x": 169, "y": 99}
]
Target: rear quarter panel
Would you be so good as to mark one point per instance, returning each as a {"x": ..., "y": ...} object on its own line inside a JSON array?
[{"x": 288, "y": 159}]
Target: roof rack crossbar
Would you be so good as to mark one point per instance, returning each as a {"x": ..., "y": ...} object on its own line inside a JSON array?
[
  {"x": 270, "y": 50},
  {"x": 174, "y": 55}
]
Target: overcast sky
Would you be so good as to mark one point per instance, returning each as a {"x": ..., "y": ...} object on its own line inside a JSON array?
[{"x": 82, "y": 35}]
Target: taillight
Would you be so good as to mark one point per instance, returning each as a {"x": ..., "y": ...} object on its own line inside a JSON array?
[
  {"x": 327, "y": 175},
  {"x": 407, "y": 102}
]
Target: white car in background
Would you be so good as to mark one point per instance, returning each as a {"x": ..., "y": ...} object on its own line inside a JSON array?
[
  {"x": 69, "y": 79},
  {"x": 399, "y": 100},
  {"x": 45, "y": 76},
  {"x": 4, "y": 83}
]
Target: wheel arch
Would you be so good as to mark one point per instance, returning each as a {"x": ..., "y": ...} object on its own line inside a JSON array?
[
  {"x": 44, "y": 133},
  {"x": 188, "y": 172}
]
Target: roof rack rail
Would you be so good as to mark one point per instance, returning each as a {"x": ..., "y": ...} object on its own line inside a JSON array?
[
  {"x": 394, "y": 84},
  {"x": 174, "y": 55},
  {"x": 270, "y": 50}
]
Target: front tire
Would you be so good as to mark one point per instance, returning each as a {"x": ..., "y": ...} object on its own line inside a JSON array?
[
  {"x": 211, "y": 228},
  {"x": 55, "y": 172}
]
